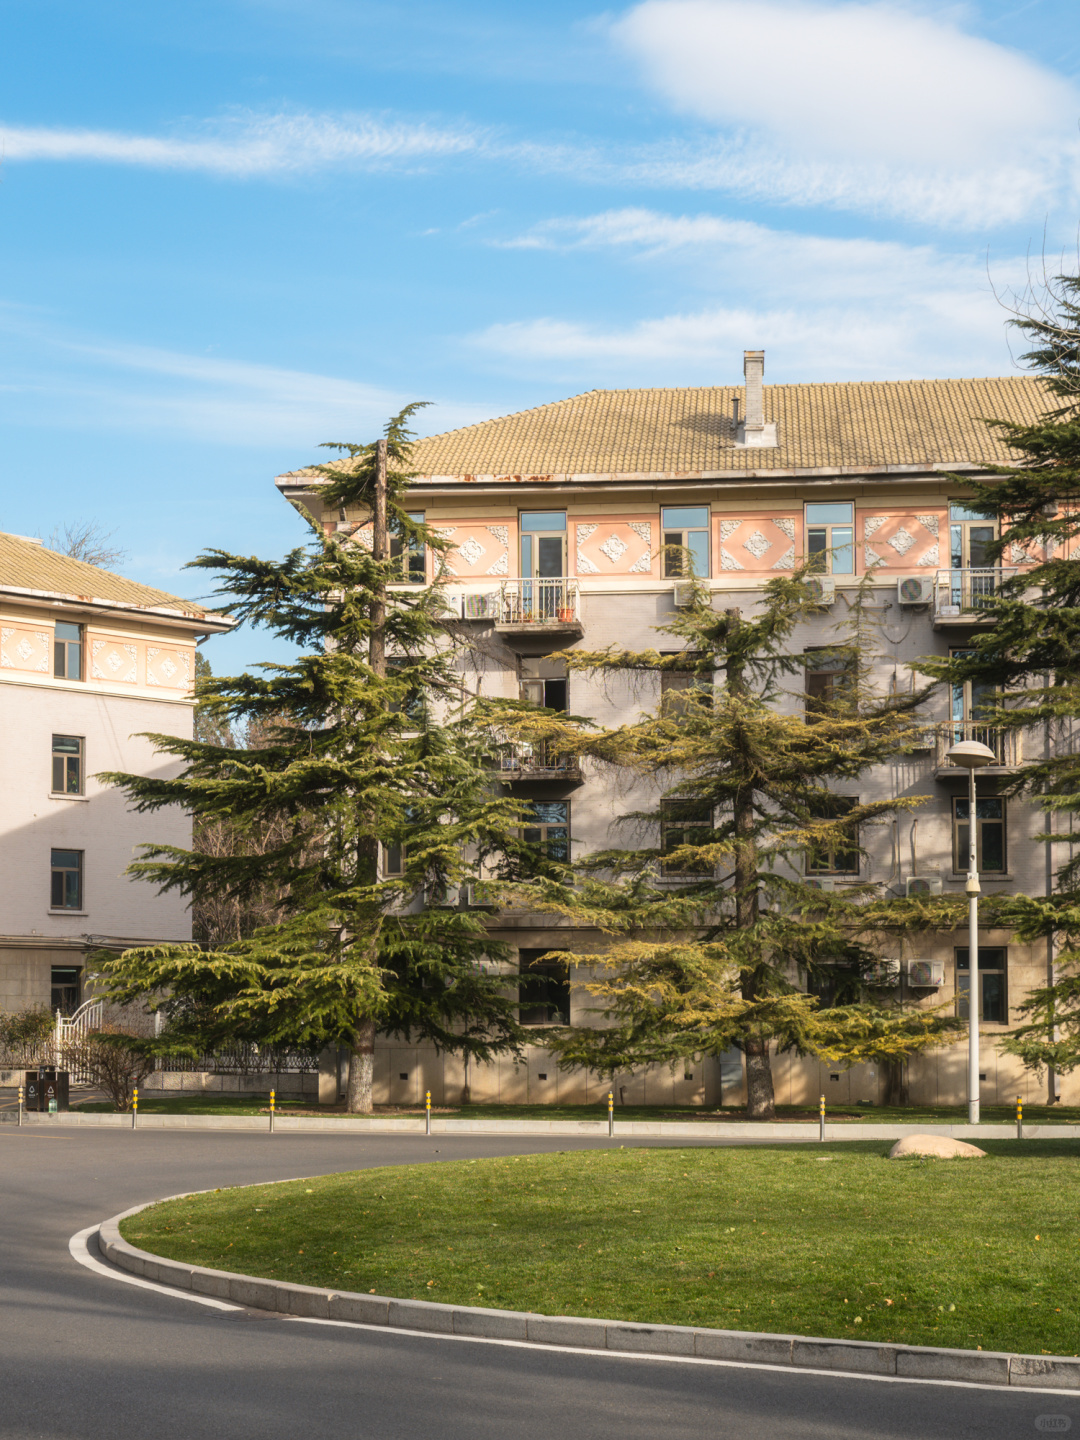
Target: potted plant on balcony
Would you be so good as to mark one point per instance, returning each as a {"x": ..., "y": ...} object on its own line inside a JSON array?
[{"x": 565, "y": 613}]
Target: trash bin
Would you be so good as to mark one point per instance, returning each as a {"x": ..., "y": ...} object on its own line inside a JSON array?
[{"x": 47, "y": 1088}]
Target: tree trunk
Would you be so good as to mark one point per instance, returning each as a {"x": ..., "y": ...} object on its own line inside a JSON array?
[
  {"x": 760, "y": 1098},
  {"x": 362, "y": 1070}
]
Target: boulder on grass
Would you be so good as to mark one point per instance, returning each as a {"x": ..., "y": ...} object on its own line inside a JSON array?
[{"x": 939, "y": 1147}]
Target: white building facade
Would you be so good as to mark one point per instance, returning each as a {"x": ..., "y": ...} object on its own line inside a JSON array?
[{"x": 559, "y": 517}]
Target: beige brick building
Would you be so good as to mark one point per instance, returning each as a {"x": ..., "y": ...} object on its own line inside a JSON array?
[
  {"x": 559, "y": 516},
  {"x": 89, "y": 661}
]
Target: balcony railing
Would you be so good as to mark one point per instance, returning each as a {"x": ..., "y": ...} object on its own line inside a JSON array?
[
  {"x": 965, "y": 592},
  {"x": 539, "y": 602},
  {"x": 1006, "y": 744},
  {"x": 537, "y": 761}
]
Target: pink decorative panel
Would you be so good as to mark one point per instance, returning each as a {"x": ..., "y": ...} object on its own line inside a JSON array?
[
  {"x": 26, "y": 648},
  {"x": 113, "y": 660},
  {"x": 892, "y": 540},
  {"x": 761, "y": 542},
  {"x": 171, "y": 667},
  {"x": 604, "y": 546},
  {"x": 481, "y": 549}
]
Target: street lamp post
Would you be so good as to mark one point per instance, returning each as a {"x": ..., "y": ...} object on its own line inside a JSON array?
[{"x": 972, "y": 755}]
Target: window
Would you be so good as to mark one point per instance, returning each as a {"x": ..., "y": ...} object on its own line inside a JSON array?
[
  {"x": 393, "y": 857},
  {"x": 682, "y": 690},
  {"x": 825, "y": 673},
  {"x": 967, "y": 706},
  {"x": 543, "y": 990},
  {"x": 829, "y": 531},
  {"x": 993, "y": 968},
  {"x": 410, "y": 553},
  {"x": 686, "y": 540},
  {"x": 684, "y": 821},
  {"x": 543, "y": 544},
  {"x": 65, "y": 988},
  {"x": 837, "y": 858},
  {"x": 989, "y": 834},
  {"x": 67, "y": 765},
  {"x": 544, "y": 682},
  {"x": 548, "y": 828},
  {"x": 970, "y": 535},
  {"x": 67, "y": 651},
  {"x": 67, "y": 880}
]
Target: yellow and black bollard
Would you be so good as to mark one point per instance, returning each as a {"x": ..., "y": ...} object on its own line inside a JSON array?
[
  {"x": 427, "y": 1109},
  {"x": 821, "y": 1118},
  {"x": 610, "y": 1113},
  {"x": 22, "y": 1097},
  {"x": 1019, "y": 1117},
  {"x": 272, "y": 1112},
  {"x": 135, "y": 1109}
]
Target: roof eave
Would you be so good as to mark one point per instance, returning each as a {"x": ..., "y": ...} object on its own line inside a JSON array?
[{"x": 203, "y": 624}]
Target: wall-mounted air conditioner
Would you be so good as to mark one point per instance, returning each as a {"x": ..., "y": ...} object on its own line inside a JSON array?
[
  {"x": 441, "y": 897},
  {"x": 822, "y": 589},
  {"x": 922, "y": 885},
  {"x": 682, "y": 594},
  {"x": 819, "y": 882},
  {"x": 926, "y": 974},
  {"x": 885, "y": 972},
  {"x": 477, "y": 897},
  {"x": 915, "y": 590}
]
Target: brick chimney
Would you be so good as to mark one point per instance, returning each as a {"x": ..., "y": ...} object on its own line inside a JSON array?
[{"x": 754, "y": 432}]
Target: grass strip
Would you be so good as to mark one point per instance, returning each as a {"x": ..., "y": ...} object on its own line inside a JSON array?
[{"x": 829, "y": 1240}]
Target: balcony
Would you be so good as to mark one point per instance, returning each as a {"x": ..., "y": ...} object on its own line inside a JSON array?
[
  {"x": 538, "y": 762},
  {"x": 540, "y": 608},
  {"x": 1007, "y": 746},
  {"x": 961, "y": 596}
]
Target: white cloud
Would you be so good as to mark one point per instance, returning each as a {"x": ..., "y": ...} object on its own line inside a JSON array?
[{"x": 832, "y": 308}]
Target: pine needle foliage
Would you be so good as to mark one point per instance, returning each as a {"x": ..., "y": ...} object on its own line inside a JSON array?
[
  {"x": 716, "y": 938},
  {"x": 362, "y": 747}
]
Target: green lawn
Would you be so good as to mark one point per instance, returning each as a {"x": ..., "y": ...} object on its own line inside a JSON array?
[
  {"x": 818, "y": 1240},
  {"x": 193, "y": 1103}
]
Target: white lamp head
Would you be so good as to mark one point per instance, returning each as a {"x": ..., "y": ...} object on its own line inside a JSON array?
[{"x": 971, "y": 754}]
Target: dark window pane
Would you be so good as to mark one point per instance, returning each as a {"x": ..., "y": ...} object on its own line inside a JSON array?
[
  {"x": 551, "y": 812},
  {"x": 74, "y": 775},
  {"x": 674, "y": 558},
  {"x": 993, "y": 846},
  {"x": 58, "y": 772},
  {"x": 980, "y": 538},
  {"x": 60, "y": 659},
  {"x": 57, "y": 899},
  {"x": 549, "y": 558},
  {"x": 993, "y": 990}
]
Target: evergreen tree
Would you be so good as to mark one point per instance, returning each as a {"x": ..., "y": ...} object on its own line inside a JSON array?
[
  {"x": 360, "y": 751},
  {"x": 717, "y": 939},
  {"x": 1026, "y": 667}
]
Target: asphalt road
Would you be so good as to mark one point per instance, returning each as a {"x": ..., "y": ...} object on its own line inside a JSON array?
[{"x": 86, "y": 1357}]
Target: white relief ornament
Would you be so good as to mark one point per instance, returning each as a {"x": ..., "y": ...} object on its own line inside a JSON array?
[
  {"x": 168, "y": 669},
  {"x": 901, "y": 542},
  {"x": 43, "y": 641},
  {"x": 114, "y": 661},
  {"x": 929, "y": 522},
  {"x": 930, "y": 556},
  {"x": 1018, "y": 555},
  {"x": 871, "y": 557},
  {"x": 471, "y": 551},
  {"x": 585, "y": 531},
  {"x": 151, "y": 651},
  {"x": 786, "y": 526},
  {"x": 614, "y": 548},
  {"x": 364, "y": 537},
  {"x": 642, "y": 529},
  {"x": 727, "y": 529},
  {"x": 585, "y": 566},
  {"x": 6, "y": 633},
  {"x": 500, "y": 532},
  {"x": 872, "y": 524},
  {"x": 728, "y": 561},
  {"x": 757, "y": 544},
  {"x": 501, "y": 566},
  {"x": 787, "y": 560},
  {"x": 24, "y": 649},
  {"x": 642, "y": 566}
]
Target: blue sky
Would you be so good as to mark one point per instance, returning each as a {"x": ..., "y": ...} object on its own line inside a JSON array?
[{"x": 232, "y": 229}]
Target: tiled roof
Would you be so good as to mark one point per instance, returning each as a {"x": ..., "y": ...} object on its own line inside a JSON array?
[
  {"x": 848, "y": 425},
  {"x": 25, "y": 565}
]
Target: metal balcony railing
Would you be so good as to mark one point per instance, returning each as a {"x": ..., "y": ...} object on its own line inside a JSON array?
[
  {"x": 964, "y": 592},
  {"x": 1006, "y": 744},
  {"x": 537, "y": 762},
  {"x": 539, "y": 602}
]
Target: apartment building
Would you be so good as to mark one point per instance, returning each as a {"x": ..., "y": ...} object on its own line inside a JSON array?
[
  {"x": 559, "y": 517},
  {"x": 89, "y": 663}
]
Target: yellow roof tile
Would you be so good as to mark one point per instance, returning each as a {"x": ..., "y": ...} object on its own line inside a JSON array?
[{"x": 25, "y": 565}]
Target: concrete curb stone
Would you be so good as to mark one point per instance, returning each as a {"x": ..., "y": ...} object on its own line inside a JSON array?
[{"x": 858, "y": 1357}]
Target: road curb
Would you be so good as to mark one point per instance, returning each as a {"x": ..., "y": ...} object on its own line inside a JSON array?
[
  {"x": 800, "y": 1352},
  {"x": 622, "y": 1130}
]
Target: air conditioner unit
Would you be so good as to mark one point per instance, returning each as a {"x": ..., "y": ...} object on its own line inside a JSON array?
[
  {"x": 926, "y": 974},
  {"x": 477, "y": 897},
  {"x": 885, "y": 972},
  {"x": 821, "y": 588},
  {"x": 816, "y": 882},
  {"x": 922, "y": 885},
  {"x": 915, "y": 590},
  {"x": 682, "y": 594},
  {"x": 441, "y": 898}
]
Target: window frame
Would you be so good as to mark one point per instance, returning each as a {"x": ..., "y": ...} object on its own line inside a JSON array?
[
  {"x": 675, "y": 566},
  {"x": 56, "y": 870},
  {"x": 832, "y": 867},
  {"x": 62, "y": 647},
  {"x": 63, "y": 758},
  {"x": 962, "y": 971},
  {"x": 547, "y": 831},
  {"x": 822, "y": 683},
  {"x": 66, "y": 1007},
  {"x": 831, "y": 533},
  {"x": 960, "y": 851},
  {"x": 544, "y": 976},
  {"x": 527, "y": 532},
  {"x": 962, "y": 521},
  {"x": 411, "y": 553},
  {"x": 673, "y": 824}
]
